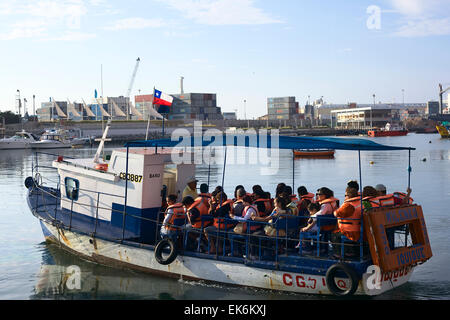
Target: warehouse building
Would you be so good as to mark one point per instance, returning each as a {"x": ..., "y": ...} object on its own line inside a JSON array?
[
  {"x": 186, "y": 106},
  {"x": 282, "y": 108}
]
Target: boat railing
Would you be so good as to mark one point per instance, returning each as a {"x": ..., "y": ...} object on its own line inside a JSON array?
[
  {"x": 261, "y": 240},
  {"x": 257, "y": 246}
]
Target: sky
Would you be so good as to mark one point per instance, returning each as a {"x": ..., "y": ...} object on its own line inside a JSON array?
[{"x": 242, "y": 50}]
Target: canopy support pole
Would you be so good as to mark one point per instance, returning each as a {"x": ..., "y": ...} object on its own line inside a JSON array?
[
  {"x": 293, "y": 172},
  {"x": 362, "y": 208},
  {"x": 409, "y": 169},
  {"x": 223, "y": 174},
  {"x": 126, "y": 195}
]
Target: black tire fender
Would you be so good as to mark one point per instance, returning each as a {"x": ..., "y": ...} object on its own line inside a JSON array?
[
  {"x": 159, "y": 249},
  {"x": 351, "y": 274},
  {"x": 29, "y": 182}
]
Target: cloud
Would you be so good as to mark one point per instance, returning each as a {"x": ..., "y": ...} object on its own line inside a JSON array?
[
  {"x": 424, "y": 28},
  {"x": 136, "y": 23},
  {"x": 221, "y": 12},
  {"x": 25, "y": 29},
  {"x": 71, "y": 36},
  {"x": 422, "y": 18}
]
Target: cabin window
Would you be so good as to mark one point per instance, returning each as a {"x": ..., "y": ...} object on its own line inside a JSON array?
[
  {"x": 400, "y": 237},
  {"x": 72, "y": 188}
]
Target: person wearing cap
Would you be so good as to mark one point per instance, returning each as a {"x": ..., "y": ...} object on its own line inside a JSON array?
[
  {"x": 381, "y": 189},
  {"x": 191, "y": 188}
]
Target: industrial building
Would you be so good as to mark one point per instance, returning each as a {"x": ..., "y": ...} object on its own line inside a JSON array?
[
  {"x": 186, "y": 106},
  {"x": 102, "y": 108},
  {"x": 229, "y": 116},
  {"x": 364, "y": 117},
  {"x": 282, "y": 108},
  {"x": 432, "y": 108}
]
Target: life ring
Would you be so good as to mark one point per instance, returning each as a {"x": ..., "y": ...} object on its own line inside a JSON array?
[
  {"x": 102, "y": 167},
  {"x": 162, "y": 245},
  {"x": 331, "y": 283}
]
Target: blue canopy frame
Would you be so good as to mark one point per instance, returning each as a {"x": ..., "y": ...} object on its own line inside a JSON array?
[{"x": 265, "y": 141}]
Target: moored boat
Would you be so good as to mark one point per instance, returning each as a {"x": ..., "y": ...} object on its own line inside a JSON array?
[
  {"x": 111, "y": 213},
  {"x": 388, "y": 131},
  {"x": 314, "y": 153},
  {"x": 444, "y": 130},
  {"x": 54, "y": 139},
  {"x": 21, "y": 140}
]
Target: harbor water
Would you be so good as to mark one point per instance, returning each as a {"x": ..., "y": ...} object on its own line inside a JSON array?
[{"x": 32, "y": 269}]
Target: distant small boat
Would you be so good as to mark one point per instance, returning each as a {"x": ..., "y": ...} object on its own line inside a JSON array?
[
  {"x": 314, "y": 153},
  {"x": 388, "y": 131}
]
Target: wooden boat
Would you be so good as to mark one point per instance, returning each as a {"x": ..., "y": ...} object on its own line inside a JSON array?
[{"x": 314, "y": 153}]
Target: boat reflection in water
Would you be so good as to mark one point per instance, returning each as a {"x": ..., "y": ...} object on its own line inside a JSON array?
[{"x": 63, "y": 276}]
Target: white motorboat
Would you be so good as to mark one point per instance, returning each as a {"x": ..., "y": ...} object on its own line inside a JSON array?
[
  {"x": 21, "y": 140},
  {"x": 53, "y": 139}
]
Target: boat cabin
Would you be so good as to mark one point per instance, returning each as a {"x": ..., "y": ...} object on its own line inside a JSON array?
[{"x": 92, "y": 191}]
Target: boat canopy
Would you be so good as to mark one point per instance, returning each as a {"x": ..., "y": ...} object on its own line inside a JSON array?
[{"x": 265, "y": 141}]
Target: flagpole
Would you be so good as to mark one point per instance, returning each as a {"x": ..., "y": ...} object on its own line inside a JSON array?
[{"x": 148, "y": 122}]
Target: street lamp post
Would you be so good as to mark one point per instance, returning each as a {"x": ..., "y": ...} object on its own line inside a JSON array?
[
  {"x": 371, "y": 123},
  {"x": 403, "y": 95}
]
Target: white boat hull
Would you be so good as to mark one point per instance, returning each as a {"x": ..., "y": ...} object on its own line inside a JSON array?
[
  {"x": 5, "y": 145},
  {"x": 51, "y": 145},
  {"x": 209, "y": 270}
]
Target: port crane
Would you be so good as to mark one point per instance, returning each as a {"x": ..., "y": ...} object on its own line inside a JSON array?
[
  {"x": 441, "y": 101},
  {"x": 130, "y": 87}
]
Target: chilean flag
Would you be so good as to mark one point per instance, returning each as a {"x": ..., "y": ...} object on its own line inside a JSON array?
[{"x": 162, "y": 99}]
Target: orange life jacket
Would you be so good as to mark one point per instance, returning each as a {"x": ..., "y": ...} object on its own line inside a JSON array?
[
  {"x": 203, "y": 210},
  {"x": 178, "y": 217},
  {"x": 268, "y": 205},
  {"x": 253, "y": 226},
  {"x": 219, "y": 222},
  {"x": 309, "y": 196},
  {"x": 372, "y": 201},
  {"x": 334, "y": 202},
  {"x": 205, "y": 197},
  {"x": 400, "y": 197},
  {"x": 385, "y": 201},
  {"x": 352, "y": 223}
]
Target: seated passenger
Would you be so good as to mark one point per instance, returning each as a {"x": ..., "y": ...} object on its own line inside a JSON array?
[
  {"x": 328, "y": 203},
  {"x": 353, "y": 184},
  {"x": 369, "y": 196},
  {"x": 174, "y": 213},
  {"x": 262, "y": 201},
  {"x": 220, "y": 209},
  {"x": 236, "y": 189},
  {"x": 204, "y": 194},
  {"x": 195, "y": 210},
  {"x": 280, "y": 189},
  {"x": 291, "y": 201},
  {"x": 349, "y": 224},
  {"x": 249, "y": 213},
  {"x": 238, "y": 205},
  {"x": 303, "y": 194},
  {"x": 311, "y": 227},
  {"x": 402, "y": 198}
]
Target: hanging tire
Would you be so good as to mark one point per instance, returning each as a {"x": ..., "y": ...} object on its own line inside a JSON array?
[
  {"x": 29, "y": 182},
  {"x": 331, "y": 277},
  {"x": 159, "y": 250}
]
